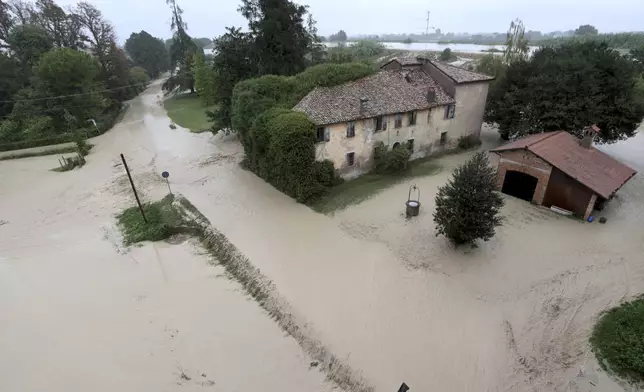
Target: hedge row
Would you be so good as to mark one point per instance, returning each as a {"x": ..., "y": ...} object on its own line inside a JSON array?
[
  {"x": 104, "y": 123},
  {"x": 280, "y": 143}
]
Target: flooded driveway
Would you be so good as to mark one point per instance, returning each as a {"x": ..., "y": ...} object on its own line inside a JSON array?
[{"x": 384, "y": 294}]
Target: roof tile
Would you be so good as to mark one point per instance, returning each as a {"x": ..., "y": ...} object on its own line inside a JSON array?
[
  {"x": 386, "y": 92},
  {"x": 595, "y": 169},
  {"x": 460, "y": 75}
]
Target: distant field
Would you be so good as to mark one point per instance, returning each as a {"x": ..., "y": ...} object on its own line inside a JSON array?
[{"x": 187, "y": 111}]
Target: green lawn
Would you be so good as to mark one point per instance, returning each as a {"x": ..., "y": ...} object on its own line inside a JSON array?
[
  {"x": 618, "y": 340},
  {"x": 164, "y": 220},
  {"x": 363, "y": 187},
  {"x": 187, "y": 111}
]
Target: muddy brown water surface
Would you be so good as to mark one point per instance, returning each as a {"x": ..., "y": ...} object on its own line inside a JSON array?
[{"x": 78, "y": 311}]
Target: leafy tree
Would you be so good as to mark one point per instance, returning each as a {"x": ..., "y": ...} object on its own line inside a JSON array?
[
  {"x": 182, "y": 50},
  {"x": 70, "y": 77},
  {"x": 148, "y": 52},
  {"x": 6, "y": 23},
  {"x": 467, "y": 207},
  {"x": 491, "y": 64},
  {"x": 516, "y": 45},
  {"x": 204, "y": 79},
  {"x": 9, "y": 85},
  {"x": 100, "y": 32},
  {"x": 447, "y": 55},
  {"x": 233, "y": 62},
  {"x": 65, "y": 29},
  {"x": 28, "y": 43},
  {"x": 117, "y": 68},
  {"x": 637, "y": 55},
  {"x": 316, "y": 48},
  {"x": 567, "y": 87},
  {"x": 366, "y": 49},
  {"x": 586, "y": 30},
  {"x": 281, "y": 39},
  {"x": 340, "y": 36}
]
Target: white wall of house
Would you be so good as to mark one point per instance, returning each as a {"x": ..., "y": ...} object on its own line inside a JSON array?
[
  {"x": 470, "y": 107},
  {"x": 426, "y": 133}
]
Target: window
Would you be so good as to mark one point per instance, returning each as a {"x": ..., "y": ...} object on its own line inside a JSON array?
[
  {"x": 381, "y": 123},
  {"x": 351, "y": 129},
  {"x": 351, "y": 158},
  {"x": 410, "y": 145},
  {"x": 398, "y": 120},
  {"x": 323, "y": 134},
  {"x": 449, "y": 111},
  {"x": 443, "y": 138},
  {"x": 412, "y": 118}
]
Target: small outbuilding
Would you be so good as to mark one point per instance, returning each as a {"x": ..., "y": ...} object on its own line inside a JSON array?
[{"x": 558, "y": 169}]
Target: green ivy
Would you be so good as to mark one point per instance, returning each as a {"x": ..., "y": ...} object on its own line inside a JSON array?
[{"x": 280, "y": 143}]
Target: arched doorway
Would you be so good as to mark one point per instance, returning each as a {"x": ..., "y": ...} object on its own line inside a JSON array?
[
  {"x": 519, "y": 185},
  {"x": 395, "y": 146}
]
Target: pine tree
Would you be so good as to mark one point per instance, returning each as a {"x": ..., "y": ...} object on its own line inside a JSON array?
[{"x": 467, "y": 207}]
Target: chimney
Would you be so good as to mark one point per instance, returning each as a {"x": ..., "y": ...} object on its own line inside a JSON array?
[
  {"x": 363, "y": 105},
  {"x": 431, "y": 95},
  {"x": 589, "y": 136}
]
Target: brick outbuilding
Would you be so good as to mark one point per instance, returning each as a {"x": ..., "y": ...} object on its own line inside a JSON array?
[{"x": 557, "y": 169}]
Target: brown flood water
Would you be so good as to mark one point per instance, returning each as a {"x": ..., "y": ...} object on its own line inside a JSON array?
[{"x": 396, "y": 303}]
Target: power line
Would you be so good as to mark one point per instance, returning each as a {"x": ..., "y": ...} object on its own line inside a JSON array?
[{"x": 73, "y": 95}]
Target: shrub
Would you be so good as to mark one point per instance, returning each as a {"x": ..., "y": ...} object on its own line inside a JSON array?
[
  {"x": 469, "y": 141},
  {"x": 392, "y": 161},
  {"x": 618, "y": 340},
  {"x": 467, "y": 207},
  {"x": 252, "y": 97},
  {"x": 325, "y": 173},
  {"x": 397, "y": 160},
  {"x": 291, "y": 149}
]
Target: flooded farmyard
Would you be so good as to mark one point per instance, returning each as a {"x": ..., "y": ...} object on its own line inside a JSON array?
[{"x": 78, "y": 311}]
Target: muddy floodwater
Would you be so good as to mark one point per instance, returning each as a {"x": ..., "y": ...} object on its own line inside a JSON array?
[{"x": 78, "y": 311}]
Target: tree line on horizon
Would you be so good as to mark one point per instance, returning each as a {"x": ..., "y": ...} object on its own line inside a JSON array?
[{"x": 627, "y": 40}]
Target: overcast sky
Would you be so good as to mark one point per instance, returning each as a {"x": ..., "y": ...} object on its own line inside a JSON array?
[{"x": 207, "y": 18}]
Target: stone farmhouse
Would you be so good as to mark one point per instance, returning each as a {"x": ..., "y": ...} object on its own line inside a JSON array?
[{"x": 415, "y": 103}]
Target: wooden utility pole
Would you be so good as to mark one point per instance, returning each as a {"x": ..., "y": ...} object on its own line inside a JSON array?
[{"x": 127, "y": 170}]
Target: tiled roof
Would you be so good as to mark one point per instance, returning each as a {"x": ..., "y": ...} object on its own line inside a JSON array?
[
  {"x": 386, "y": 92},
  {"x": 406, "y": 60},
  {"x": 596, "y": 170},
  {"x": 460, "y": 75}
]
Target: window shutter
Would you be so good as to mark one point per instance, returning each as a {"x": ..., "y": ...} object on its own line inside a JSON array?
[{"x": 327, "y": 134}]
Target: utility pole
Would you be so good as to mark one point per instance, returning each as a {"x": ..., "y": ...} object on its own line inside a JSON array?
[{"x": 427, "y": 28}]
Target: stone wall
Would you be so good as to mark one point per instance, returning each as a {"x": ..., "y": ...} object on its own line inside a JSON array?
[
  {"x": 470, "y": 107},
  {"x": 430, "y": 124}
]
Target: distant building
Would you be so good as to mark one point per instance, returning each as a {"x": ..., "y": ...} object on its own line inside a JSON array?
[
  {"x": 413, "y": 102},
  {"x": 558, "y": 169}
]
